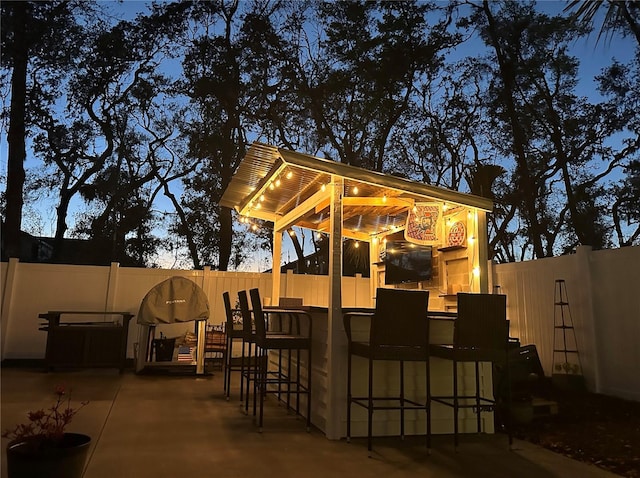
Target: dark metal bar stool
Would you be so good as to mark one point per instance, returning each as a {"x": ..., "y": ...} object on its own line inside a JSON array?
[
  {"x": 398, "y": 331},
  {"x": 481, "y": 334},
  {"x": 250, "y": 358},
  {"x": 291, "y": 340},
  {"x": 233, "y": 334}
]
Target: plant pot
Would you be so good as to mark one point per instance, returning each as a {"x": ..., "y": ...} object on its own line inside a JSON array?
[{"x": 65, "y": 459}]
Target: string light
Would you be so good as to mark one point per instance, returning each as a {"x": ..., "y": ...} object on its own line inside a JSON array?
[
  {"x": 384, "y": 198},
  {"x": 262, "y": 197},
  {"x": 355, "y": 190},
  {"x": 278, "y": 182},
  {"x": 289, "y": 175},
  {"x": 357, "y": 244},
  {"x": 323, "y": 187}
]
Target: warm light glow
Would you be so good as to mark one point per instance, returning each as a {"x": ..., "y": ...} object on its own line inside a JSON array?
[
  {"x": 445, "y": 207},
  {"x": 278, "y": 182},
  {"x": 323, "y": 187},
  {"x": 476, "y": 271},
  {"x": 262, "y": 197},
  {"x": 258, "y": 206},
  {"x": 271, "y": 186},
  {"x": 471, "y": 239},
  {"x": 374, "y": 240},
  {"x": 355, "y": 190},
  {"x": 469, "y": 215},
  {"x": 384, "y": 240},
  {"x": 254, "y": 227},
  {"x": 357, "y": 244},
  {"x": 292, "y": 233},
  {"x": 384, "y": 198},
  {"x": 289, "y": 175},
  {"x": 415, "y": 208}
]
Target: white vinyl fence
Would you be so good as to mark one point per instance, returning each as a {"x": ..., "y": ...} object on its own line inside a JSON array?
[
  {"x": 603, "y": 290},
  {"x": 30, "y": 289}
]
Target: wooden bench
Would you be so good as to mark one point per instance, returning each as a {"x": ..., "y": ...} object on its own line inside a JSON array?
[{"x": 86, "y": 344}]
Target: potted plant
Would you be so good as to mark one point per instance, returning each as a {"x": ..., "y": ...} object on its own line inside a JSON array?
[{"x": 41, "y": 447}]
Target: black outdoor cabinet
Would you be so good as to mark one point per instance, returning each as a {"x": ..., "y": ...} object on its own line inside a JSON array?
[{"x": 86, "y": 344}]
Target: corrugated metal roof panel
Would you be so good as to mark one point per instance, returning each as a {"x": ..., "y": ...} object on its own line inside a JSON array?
[{"x": 270, "y": 182}]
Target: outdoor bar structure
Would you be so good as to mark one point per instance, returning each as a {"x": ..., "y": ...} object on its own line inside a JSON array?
[{"x": 289, "y": 189}]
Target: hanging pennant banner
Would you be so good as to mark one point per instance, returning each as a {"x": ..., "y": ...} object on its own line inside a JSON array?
[{"x": 423, "y": 223}]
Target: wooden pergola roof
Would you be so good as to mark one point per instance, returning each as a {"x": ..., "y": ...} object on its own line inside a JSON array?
[{"x": 290, "y": 188}]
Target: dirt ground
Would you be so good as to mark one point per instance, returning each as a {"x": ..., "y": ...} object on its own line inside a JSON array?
[{"x": 593, "y": 428}]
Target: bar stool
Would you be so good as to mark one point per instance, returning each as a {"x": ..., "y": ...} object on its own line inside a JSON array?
[
  {"x": 249, "y": 363},
  {"x": 232, "y": 334},
  {"x": 481, "y": 334},
  {"x": 296, "y": 340},
  {"x": 398, "y": 331}
]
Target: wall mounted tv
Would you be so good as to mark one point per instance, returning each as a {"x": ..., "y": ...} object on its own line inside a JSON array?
[{"x": 406, "y": 262}]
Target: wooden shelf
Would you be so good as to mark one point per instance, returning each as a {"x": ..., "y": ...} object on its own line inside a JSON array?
[{"x": 451, "y": 248}]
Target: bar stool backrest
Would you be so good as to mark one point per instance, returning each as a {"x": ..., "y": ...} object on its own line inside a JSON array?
[
  {"x": 228, "y": 311},
  {"x": 400, "y": 318},
  {"x": 245, "y": 310},
  {"x": 481, "y": 322},
  {"x": 258, "y": 314}
]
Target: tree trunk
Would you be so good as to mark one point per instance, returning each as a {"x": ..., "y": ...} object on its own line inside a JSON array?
[
  {"x": 16, "y": 135},
  {"x": 525, "y": 179}
]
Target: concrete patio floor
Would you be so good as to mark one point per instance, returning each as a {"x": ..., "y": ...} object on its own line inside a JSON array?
[{"x": 169, "y": 426}]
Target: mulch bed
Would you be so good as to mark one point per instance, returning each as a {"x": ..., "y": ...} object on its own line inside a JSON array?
[{"x": 594, "y": 428}]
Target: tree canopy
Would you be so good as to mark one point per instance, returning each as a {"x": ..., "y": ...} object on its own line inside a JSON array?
[{"x": 132, "y": 123}]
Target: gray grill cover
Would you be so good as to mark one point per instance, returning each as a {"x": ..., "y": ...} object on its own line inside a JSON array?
[{"x": 176, "y": 299}]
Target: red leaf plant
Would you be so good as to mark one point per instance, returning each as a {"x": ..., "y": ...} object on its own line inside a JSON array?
[{"x": 46, "y": 427}]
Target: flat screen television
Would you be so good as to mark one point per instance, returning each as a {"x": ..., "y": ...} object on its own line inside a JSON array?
[{"x": 406, "y": 262}]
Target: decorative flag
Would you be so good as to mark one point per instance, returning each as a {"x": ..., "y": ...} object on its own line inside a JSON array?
[
  {"x": 422, "y": 223},
  {"x": 185, "y": 354}
]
